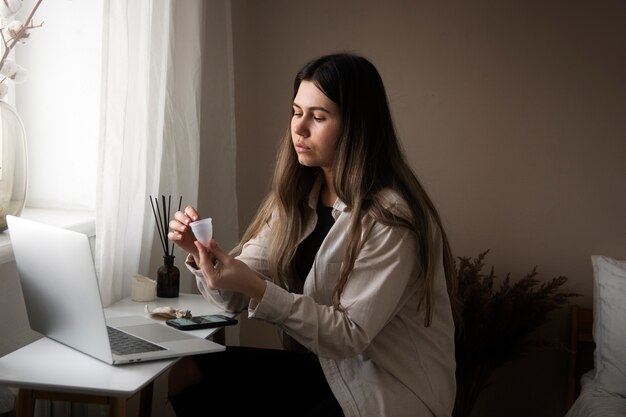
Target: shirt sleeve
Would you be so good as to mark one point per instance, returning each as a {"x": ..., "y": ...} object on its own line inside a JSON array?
[
  {"x": 227, "y": 300},
  {"x": 384, "y": 278},
  {"x": 253, "y": 254}
]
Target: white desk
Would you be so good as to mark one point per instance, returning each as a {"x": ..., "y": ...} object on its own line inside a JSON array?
[{"x": 46, "y": 369}]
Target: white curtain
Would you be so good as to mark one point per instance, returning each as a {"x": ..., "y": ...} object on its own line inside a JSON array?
[{"x": 150, "y": 138}]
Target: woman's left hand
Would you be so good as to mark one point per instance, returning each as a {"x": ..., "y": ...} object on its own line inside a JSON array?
[{"x": 223, "y": 272}]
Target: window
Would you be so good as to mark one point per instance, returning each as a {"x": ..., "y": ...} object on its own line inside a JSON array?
[{"x": 60, "y": 102}]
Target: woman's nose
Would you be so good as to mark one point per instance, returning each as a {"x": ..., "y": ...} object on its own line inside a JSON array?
[{"x": 299, "y": 127}]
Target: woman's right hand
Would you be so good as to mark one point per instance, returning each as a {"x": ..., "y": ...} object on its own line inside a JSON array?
[{"x": 181, "y": 233}]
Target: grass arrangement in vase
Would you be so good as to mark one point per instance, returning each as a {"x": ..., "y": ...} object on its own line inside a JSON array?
[
  {"x": 168, "y": 275},
  {"x": 496, "y": 324}
]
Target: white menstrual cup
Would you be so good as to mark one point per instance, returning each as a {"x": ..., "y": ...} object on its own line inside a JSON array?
[{"x": 202, "y": 230}]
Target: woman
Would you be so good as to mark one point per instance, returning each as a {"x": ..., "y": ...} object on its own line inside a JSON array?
[{"x": 347, "y": 256}]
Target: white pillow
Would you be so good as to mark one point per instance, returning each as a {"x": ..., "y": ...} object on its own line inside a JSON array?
[{"x": 609, "y": 323}]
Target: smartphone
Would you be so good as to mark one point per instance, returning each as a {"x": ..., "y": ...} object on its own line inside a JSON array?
[{"x": 201, "y": 322}]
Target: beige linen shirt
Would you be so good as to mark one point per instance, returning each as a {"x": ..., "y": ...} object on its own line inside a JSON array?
[{"x": 377, "y": 355}]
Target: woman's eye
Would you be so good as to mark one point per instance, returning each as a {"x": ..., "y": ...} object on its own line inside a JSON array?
[
  {"x": 296, "y": 114},
  {"x": 318, "y": 119}
]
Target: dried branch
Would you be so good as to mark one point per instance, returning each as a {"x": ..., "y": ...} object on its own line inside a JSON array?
[{"x": 496, "y": 323}]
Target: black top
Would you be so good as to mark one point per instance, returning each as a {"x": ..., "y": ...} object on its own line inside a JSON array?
[{"x": 305, "y": 254}]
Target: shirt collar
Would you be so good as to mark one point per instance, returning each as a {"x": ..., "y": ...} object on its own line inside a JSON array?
[{"x": 338, "y": 207}]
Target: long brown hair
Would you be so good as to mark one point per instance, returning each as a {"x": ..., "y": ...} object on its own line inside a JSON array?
[{"x": 368, "y": 159}]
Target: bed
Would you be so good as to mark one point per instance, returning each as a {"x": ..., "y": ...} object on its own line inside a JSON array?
[{"x": 597, "y": 370}]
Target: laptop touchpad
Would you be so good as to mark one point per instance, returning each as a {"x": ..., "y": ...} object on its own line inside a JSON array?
[{"x": 153, "y": 332}]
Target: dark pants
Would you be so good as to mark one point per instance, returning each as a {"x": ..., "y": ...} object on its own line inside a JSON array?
[{"x": 244, "y": 381}]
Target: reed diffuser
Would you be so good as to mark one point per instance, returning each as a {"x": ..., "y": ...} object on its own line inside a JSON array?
[{"x": 168, "y": 275}]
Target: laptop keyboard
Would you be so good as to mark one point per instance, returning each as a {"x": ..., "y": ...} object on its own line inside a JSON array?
[{"x": 124, "y": 343}]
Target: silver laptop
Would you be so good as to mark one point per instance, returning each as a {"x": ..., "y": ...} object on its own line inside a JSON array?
[{"x": 63, "y": 301}]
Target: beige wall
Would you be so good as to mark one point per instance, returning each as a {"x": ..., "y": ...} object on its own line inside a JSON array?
[{"x": 511, "y": 113}]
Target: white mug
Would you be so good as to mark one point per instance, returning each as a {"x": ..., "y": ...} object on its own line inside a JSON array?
[{"x": 143, "y": 289}]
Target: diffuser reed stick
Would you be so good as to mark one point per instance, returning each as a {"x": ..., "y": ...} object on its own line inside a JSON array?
[{"x": 162, "y": 211}]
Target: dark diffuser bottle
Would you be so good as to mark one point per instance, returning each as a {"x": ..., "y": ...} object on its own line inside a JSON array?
[
  {"x": 168, "y": 275},
  {"x": 168, "y": 278}
]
